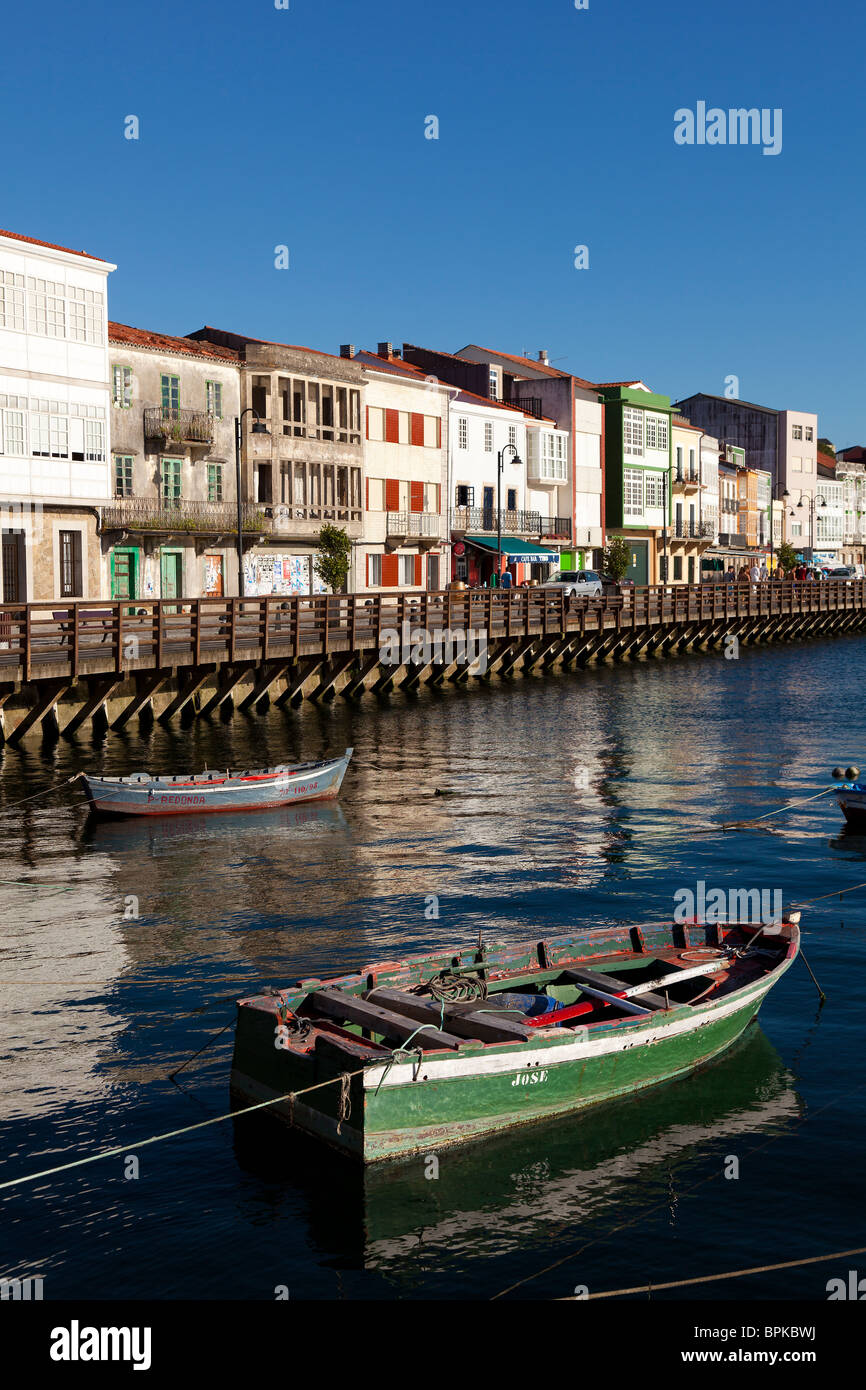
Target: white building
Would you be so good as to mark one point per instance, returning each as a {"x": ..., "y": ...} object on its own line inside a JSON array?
[
  {"x": 405, "y": 533},
  {"x": 54, "y": 406}
]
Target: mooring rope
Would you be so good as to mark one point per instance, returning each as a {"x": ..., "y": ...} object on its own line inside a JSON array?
[
  {"x": 712, "y": 1278},
  {"x": 58, "y": 786},
  {"x": 740, "y": 824}
]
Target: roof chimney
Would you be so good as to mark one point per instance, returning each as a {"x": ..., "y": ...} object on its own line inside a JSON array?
[
  {"x": 385, "y": 350},
  {"x": 347, "y": 349},
  {"x": 542, "y": 356}
]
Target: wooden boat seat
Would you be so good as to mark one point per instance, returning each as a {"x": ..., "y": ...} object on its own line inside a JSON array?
[
  {"x": 465, "y": 1020},
  {"x": 601, "y": 980},
  {"x": 343, "y": 1007}
]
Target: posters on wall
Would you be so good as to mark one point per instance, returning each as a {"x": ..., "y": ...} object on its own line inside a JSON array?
[{"x": 280, "y": 574}]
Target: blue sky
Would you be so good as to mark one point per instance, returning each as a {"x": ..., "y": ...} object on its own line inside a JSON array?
[{"x": 305, "y": 127}]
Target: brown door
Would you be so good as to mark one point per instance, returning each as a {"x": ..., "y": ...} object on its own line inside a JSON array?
[
  {"x": 213, "y": 576},
  {"x": 11, "y": 577}
]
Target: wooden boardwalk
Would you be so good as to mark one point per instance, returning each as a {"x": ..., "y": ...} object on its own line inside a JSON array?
[{"x": 63, "y": 664}]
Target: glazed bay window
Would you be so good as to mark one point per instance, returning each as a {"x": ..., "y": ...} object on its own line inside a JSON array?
[
  {"x": 214, "y": 482},
  {"x": 85, "y": 315},
  {"x": 169, "y": 481},
  {"x": 654, "y": 484},
  {"x": 11, "y": 300},
  {"x": 656, "y": 431},
  {"x": 214, "y": 399},
  {"x": 632, "y": 431},
  {"x": 47, "y": 308},
  {"x": 632, "y": 492},
  {"x": 123, "y": 475},
  {"x": 12, "y": 428},
  {"x": 121, "y": 387},
  {"x": 94, "y": 441}
]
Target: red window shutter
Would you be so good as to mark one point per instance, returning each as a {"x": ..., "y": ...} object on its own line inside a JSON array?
[
  {"x": 368, "y": 493},
  {"x": 416, "y": 494},
  {"x": 392, "y": 427},
  {"x": 417, "y": 428},
  {"x": 392, "y": 495},
  {"x": 418, "y": 568},
  {"x": 438, "y": 434},
  {"x": 367, "y": 571},
  {"x": 390, "y": 571},
  {"x": 368, "y": 421}
]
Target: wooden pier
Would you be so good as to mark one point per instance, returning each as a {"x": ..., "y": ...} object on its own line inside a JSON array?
[{"x": 64, "y": 665}]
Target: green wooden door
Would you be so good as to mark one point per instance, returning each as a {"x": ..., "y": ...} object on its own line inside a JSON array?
[
  {"x": 170, "y": 574},
  {"x": 638, "y": 567},
  {"x": 124, "y": 573}
]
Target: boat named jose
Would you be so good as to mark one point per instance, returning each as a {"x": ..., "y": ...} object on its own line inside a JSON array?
[{"x": 408, "y": 1056}]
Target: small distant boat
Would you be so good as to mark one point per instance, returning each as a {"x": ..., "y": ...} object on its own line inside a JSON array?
[
  {"x": 406, "y": 1057},
  {"x": 851, "y": 796},
  {"x": 140, "y": 794}
]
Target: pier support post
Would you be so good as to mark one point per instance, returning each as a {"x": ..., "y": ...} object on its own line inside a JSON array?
[{"x": 45, "y": 705}]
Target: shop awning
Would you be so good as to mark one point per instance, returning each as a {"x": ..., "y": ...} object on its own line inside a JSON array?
[{"x": 513, "y": 549}]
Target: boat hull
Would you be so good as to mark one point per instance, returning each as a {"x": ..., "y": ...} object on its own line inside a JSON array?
[
  {"x": 853, "y": 804},
  {"x": 406, "y": 1106},
  {"x": 145, "y": 796}
]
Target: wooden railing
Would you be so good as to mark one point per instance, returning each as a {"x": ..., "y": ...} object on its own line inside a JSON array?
[{"x": 57, "y": 639}]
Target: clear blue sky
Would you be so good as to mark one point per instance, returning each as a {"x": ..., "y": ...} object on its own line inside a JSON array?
[{"x": 306, "y": 127}]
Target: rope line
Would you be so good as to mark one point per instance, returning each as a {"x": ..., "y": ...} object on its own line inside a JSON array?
[
  {"x": 712, "y": 1278},
  {"x": 45, "y": 791},
  {"x": 290, "y": 1096},
  {"x": 739, "y": 824}
]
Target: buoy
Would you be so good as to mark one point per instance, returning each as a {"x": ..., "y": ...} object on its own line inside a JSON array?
[
  {"x": 852, "y": 773},
  {"x": 837, "y": 774}
]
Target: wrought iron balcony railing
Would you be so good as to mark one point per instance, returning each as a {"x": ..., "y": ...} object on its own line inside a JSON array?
[
  {"x": 427, "y": 525},
  {"x": 178, "y": 426},
  {"x": 138, "y": 514},
  {"x": 694, "y": 530},
  {"x": 514, "y": 522}
]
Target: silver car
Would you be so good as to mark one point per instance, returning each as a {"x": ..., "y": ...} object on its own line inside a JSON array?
[{"x": 577, "y": 582}]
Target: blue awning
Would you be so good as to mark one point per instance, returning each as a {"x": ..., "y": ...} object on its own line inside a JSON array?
[{"x": 513, "y": 549}]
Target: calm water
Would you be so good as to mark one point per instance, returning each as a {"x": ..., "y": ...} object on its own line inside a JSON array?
[{"x": 577, "y": 801}]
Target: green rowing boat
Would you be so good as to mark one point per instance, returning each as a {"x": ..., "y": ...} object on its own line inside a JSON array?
[{"x": 405, "y": 1057}]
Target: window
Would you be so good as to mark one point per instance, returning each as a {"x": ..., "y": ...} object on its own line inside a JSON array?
[
  {"x": 465, "y": 496},
  {"x": 85, "y": 315},
  {"x": 13, "y": 434},
  {"x": 121, "y": 387},
  {"x": 375, "y": 424},
  {"x": 488, "y": 437},
  {"x": 796, "y": 431},
  {"x": 656, "y": 432},
  {"x": 432, "y": 432},
  {"x": 169, "y": 489},
  {"x": 512, "y": 436},
  {"x": 407, "y": 569},
  {"x": 632, "y": 504},
  {"x": 495, "y": 377},
  {"x": 170, "y": 386},
  {"x": 632, "y": 431},
  {"x": 512, "y": 499},
  {"x": 94, "y": 441},
  {"x": 374, "y": 566},
  {"x": 810, "y": 433},
  {"x": 655, "y": 489},
  {"x": 214, "y": 398},
  {"x": 214, "y": 482},
  {"x": 123, "y": 475},
  {"x": 47, "y": 308},
  {"x": 462, "y": 432},
  {"x": 11, "y": 300},
  {"x": 70, "y": 564}
]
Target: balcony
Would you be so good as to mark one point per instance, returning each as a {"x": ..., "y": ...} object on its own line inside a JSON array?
[
  {"x": 694, "y": 530},
  {"x": 178, "y": 426},
  {"x": 141, "y": 516},
  {"x": 424, "y": 526},
  {"x": 686, "y": 479},
  {"x": 531, "y": 405},
  {"x": 514, "y": 523},
  {"x": 733, "y": 540}
]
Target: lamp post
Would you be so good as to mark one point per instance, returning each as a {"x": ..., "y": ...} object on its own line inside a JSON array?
[
  {"x": 258, "y": 428},
  {"x": 816, "y": 501},
  {"x": 501, "y": 461}
]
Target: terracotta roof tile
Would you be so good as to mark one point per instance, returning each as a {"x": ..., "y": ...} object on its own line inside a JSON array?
[
  {"x": 164, "y": 342},
  {"x": 543, "y": 367},
  {"x": 52, "y": 245}
]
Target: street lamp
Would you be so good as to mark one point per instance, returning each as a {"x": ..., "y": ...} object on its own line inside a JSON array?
[
  {"x": 773, "y": 500},
  {"x": 818, "y": 501},
  {"x": 259, "y": 427},
  {"x": 501, "y": 460}
]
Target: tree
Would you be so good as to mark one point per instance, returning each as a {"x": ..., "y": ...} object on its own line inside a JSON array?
[
  {"x": 617, "y": 557},
  {"x": 787, "y": 557},
  {"x": 332, "y": 562},
  {"x": 825, "y": 447}
]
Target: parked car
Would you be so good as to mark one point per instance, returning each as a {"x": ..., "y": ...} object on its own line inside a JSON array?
[
  {"x": 609, "y": 585},
  {"x": 575, "y": 582},
  {"x": 842, "y": 572}
]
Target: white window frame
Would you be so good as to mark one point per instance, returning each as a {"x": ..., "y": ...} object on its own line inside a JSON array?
[
  {"x": 632, "y": 492},
  {"x": 632, "y": 431}
]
